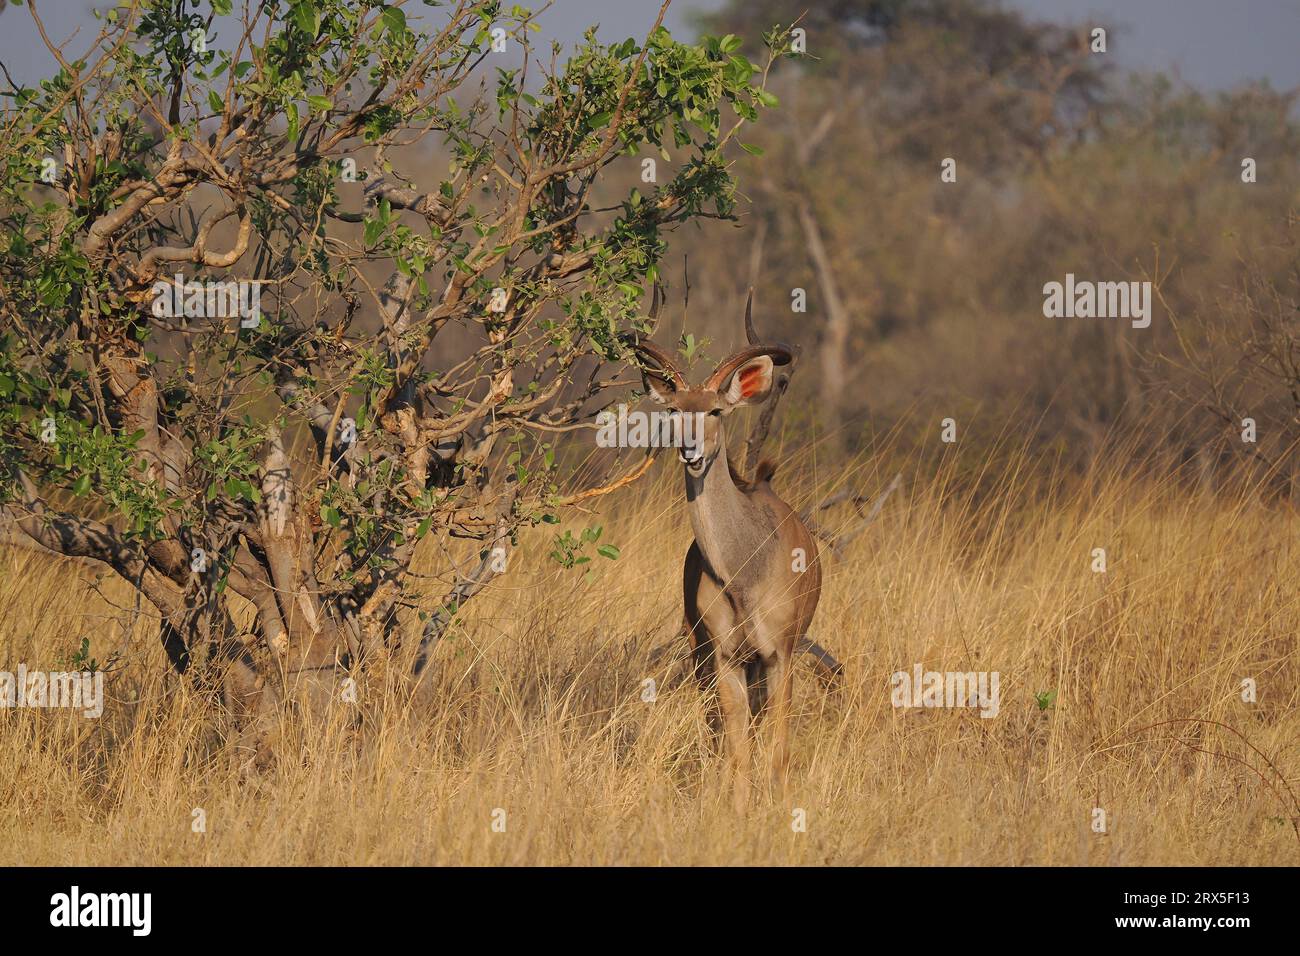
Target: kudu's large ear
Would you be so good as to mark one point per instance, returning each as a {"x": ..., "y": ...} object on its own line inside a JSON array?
[
  {"x": 747, "y": 377},
  {"x": 751, "y": 383}
]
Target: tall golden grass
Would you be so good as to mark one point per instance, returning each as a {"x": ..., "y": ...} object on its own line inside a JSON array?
[{"x": 975, "y": 563}]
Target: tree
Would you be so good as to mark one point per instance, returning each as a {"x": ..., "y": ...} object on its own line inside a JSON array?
[
  {"x": 221, "y": 381},
  {"x": 850, "y": 185}
]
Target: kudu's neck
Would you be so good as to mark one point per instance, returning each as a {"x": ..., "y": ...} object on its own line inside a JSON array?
[{"x": 723, "y": 517}]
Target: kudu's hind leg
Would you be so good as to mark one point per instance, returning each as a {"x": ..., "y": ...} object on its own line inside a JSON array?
[
  {"x": 704, "y": 671},
  {"x": 701, "y": 652},
  {"x": 756, "y": 680}
]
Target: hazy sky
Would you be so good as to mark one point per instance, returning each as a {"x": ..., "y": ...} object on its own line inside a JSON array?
[{"x": 1209, "y": 43}]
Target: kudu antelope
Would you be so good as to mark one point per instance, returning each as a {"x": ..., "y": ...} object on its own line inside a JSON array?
[{"x": 752, "y": 577}]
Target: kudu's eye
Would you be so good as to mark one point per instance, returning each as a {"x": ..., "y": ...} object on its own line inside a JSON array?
[{"x": 715, "y": 412}]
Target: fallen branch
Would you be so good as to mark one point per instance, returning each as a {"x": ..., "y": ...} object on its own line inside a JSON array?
[
  {"x": 839, "y": 541},
  {"x": 827, "y": 668}
]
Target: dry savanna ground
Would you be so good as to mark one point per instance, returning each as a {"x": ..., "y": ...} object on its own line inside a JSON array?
[{"x": 538, "y": 712}]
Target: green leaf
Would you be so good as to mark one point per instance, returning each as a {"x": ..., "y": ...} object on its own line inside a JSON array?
[
  {"x": 81, "y": 486},
  {"x": 320, "y": 103},
  {"x": 221, "y": 7},
  {"x": 608, "y": 551},
  {"x": 729, "y": 43},
  {"x": 307, "y": 17},
  {"x": 215, "y": 102},
  {"x": 6, "y": 386},
  {"x": 752, "y": 149},
  {"x": 394, "y": 20},
  {"x": 743, "y": 66}
]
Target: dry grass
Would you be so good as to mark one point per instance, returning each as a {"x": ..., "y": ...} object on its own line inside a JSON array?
[{"x": 538, "y": 707}]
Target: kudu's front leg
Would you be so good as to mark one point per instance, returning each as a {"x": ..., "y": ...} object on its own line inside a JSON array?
[
  {"x": 733, "y": 697},
  {"x": 780, "y": 683}
]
